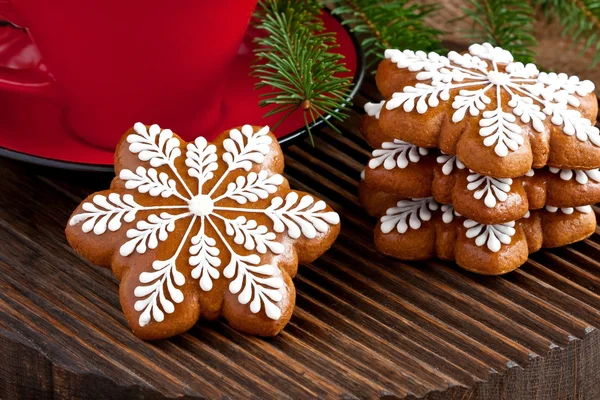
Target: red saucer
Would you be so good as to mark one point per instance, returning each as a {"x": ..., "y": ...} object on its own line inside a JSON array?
[{"x": 32, "y": 129}]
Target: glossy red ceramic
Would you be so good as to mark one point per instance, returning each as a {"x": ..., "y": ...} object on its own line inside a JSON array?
[
  {"x": 32, "y": 127},
  {"x": 116, "y": 62}
]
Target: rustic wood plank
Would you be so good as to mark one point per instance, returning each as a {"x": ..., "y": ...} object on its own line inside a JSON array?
[{"x": 365, "y": 326}]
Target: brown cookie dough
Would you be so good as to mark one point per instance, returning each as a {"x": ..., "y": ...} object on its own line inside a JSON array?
[
  {"x": 500, "y": 117},
  {"x": 199, "y": 231},
  {"x": 418, "y": 229}
]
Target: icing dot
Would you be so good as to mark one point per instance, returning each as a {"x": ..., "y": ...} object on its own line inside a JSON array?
[
  {"x": 201, "y": 205},
  {"x": 498, "y": 78}
]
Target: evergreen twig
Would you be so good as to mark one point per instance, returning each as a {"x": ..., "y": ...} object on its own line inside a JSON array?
[
  {"x": 295, "y": 59},
  {"x": 580, "y": 20},
  {"x": 504, "y": 23},
  {"x": 387, "y": 24}
]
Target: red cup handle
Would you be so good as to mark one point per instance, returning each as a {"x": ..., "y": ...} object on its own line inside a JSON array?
[{"x": 30, "y": 80}]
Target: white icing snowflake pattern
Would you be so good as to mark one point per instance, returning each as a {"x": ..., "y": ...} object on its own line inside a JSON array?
[
  {"x": 570, "y": 210},
  {"x": 581, "y": 176},
  {"x": 254, "y": 284},
  {"x": 448, "y": 213},
  {"x": 408, "y": 214},
  {"x": 494, "y": 189},
  {"x": 449, "y": 162},
  {"x": 493, "y": 236},
  {"x": 534, "y": 95},
  {"x": 396, "y": 154}
]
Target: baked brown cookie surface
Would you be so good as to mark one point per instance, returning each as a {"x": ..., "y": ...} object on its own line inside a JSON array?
[
  {"x": 500, "y": 117},
  {"x": 418, "y": 229},
  {"x": 199, "y": 231},
  {"x": 409, "y": 171}
]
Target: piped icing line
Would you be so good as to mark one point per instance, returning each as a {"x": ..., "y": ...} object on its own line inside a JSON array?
[
  {"x": 570, "y": 210},
  {"x": 374, "y": 109},
  {"x": 396, "y": 154},
  {"x": 492, "y": 236},
  {"x": 448, "y": 213},
  {"x": 408, "y": 214},
  {"x": 534, "y": 96},
  {"x": 449, "y": 162},
  {"x": 581, "y": 176},
  {"x": 494, "y": 189}
]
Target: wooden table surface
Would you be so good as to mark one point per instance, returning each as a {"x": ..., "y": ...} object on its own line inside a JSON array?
[{"x": 365, "y": 326}]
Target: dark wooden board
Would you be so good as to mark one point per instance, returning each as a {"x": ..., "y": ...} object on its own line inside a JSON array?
[{"x": 365, "y": 326}]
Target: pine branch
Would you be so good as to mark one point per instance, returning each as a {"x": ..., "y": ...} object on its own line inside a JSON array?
[
  {"x": 295, "y": 59},
  {"x": 504, "y": 23},
  {"x": 580, "y": 19},
  {"x": 389, "y": 25}
]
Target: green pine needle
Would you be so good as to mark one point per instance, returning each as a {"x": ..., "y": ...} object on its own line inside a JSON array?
[
  {"x": 504, "y": 23},
  {"x": 295, "y": 59},
  {"x": 580, "y": 20},
  {"x": 386, "y": 24}
]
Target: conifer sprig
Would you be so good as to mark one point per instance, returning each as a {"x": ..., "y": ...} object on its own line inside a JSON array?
[
  {"x": 295, "y": 59},
  {"x": 504, "y": 23},
  {"x": 386, "y": 24},
  {"x": 580, "y": 20}
]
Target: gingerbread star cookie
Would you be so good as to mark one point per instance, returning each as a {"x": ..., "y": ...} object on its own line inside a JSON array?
[
  {"x": 202, "y": 230},
  {"x": 500, "y": 117}
]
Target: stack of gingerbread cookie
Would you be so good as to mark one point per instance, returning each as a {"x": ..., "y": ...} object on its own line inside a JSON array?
[{"x": 479, "y": 159}]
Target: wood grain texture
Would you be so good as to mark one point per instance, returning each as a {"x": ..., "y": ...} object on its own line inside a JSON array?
[{"x": 365, "y": 326}]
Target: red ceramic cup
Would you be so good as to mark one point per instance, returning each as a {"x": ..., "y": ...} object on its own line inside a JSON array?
[{"x": 114, "y": 62}]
